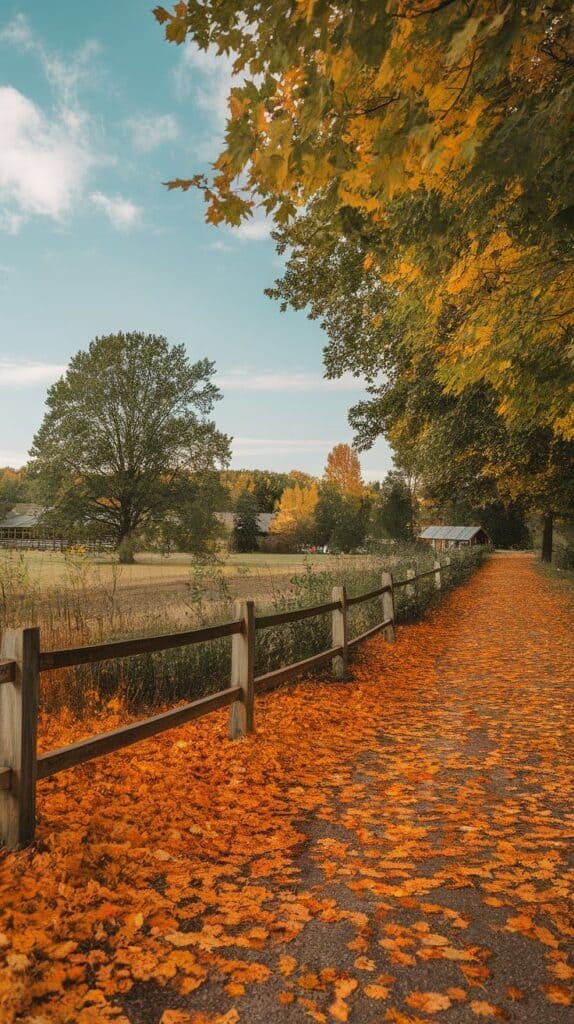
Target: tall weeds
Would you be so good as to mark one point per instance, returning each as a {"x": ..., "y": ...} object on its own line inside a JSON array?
[{"x": 82, "y": 611}]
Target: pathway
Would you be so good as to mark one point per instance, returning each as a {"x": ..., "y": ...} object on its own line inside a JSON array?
[{"x": 391, "y": 850}]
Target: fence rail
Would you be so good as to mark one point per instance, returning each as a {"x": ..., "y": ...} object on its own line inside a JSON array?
[{"x": 22, "y": 661}]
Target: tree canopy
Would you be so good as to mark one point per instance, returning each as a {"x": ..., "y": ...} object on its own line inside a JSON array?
[
  {"x": 343, "y": 471},
  {"x": 126, "y": 428},
  {"x": 417, "y": 160}
]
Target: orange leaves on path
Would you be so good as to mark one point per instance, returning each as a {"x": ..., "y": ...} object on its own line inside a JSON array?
[{"x": 390, "y": 850}]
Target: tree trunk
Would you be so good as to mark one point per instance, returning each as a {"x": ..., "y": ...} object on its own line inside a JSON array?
[
  {"x": 126, "y": 550},
  {"x": 547, "y": 529}
]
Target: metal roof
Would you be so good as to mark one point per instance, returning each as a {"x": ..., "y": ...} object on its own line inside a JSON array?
[{"x": 450, "y": 532}]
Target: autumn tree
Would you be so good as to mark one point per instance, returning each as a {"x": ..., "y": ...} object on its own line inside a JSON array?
[
  {"x": 343, "y": 471},
  {"x": 295, "y": 518},
  {"x": 126, "y": 426},
  {"x": 267, "y": 485},
  {"x": 429, "y": 145}
]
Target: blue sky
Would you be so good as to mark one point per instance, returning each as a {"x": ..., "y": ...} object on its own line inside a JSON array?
[{"x": 96, "y": 110}]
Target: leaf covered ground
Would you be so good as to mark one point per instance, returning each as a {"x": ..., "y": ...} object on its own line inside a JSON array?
[{"x": 389, "y": 850}]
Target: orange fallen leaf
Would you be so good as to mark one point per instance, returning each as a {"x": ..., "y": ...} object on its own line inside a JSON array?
[
  {"x": 516, "y": 994},
  {"x": 456, "y": 993},
  {"x": 375, "y": 991},
  {"x": 362, "y": 963},
  {"x": 557, "y": 994},
  {"x": 429, "y": 1002},
  {"x": 482, "y": 1008},
  {"x": 287, "y": 965}
]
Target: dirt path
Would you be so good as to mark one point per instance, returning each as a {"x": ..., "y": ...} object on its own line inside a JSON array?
[{"x": 391, "y": 850}]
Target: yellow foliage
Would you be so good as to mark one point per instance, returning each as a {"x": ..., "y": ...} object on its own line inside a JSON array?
[{"x": 296, "y": 508}]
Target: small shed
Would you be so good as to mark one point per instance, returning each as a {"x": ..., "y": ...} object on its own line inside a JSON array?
[{"x": 444, "y": 537}]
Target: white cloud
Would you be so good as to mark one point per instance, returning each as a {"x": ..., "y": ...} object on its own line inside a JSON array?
[
  {"x": 45, "y": 156},
  {"x": 4, "y": 269},
  {"x": 150, "y": 131},
  {"x": 122, "y": 213},
  {"x": 43, "y": 162},
  {"x": 65, "y": 76},
  {"x": 206, "y": 77},
  {"x": 15, "y": 373},
  {"x": 245, "y": 380},
  {"x": 220, "y": 246},
  {"x": 257, "y": 229}
]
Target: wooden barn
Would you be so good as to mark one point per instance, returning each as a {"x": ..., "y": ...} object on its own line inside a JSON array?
[
  {"x": 22, "y": 527},
  {"x": 443, "y": 538}
]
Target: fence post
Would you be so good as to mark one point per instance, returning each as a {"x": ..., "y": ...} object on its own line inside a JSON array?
[
  {"x": 18, "y": 733},
  {"x": 388, "y": 607},
  {"x": 339, "y": 634},
  {"x": 410, "y": 589},
  {"x": 241, "y": 718},
  {"x": 436, "y": 567}
]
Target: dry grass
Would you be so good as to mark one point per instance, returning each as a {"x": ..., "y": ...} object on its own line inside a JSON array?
[
  {"x": 86, "y": 601},
  {"x": 51, "y": 568}
]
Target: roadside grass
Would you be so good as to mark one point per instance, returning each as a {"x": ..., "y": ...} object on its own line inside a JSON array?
[{"x": 562, "y": 578}]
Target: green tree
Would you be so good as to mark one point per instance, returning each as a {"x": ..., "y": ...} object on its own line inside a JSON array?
[
  {"x": 193, "y": 526},
  {"x": 14, "y": 488},
  {"x": 394, "y": 511},
  {"x": 125, "y": 427},
  {"x": 341, "y": 519},
  {"x": 245, "y": 528}
]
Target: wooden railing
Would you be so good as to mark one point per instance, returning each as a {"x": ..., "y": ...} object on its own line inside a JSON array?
[{"x": 22, "y": 661}]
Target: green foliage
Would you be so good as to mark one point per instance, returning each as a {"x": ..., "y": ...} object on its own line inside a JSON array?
[
  {"x": 245, "y": 529},
  {"x": 14, "y": 488},
  {"x": 267, "y": 485},
  {"x": 193, "y": 526},
  {"x": 341, "y": 519},
  {"x": 126, "y": 426},
  {"x": 394, "y": 513}
]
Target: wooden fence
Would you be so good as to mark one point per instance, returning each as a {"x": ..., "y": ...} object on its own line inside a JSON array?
[{"x": 22, "y": 661}]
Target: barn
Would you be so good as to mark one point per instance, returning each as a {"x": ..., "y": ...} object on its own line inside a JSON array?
[
  {"x": 22, "y": 527},
  {"x": 442, "y": 538}
]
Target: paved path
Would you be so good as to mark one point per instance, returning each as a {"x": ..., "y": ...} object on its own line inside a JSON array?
[{"x": 393, "y": 850}]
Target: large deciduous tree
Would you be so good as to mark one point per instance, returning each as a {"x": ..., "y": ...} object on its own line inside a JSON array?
[
  {"x": 295, "y": 516},
  {"x": 126, "y": 428},
  {"x": 343, "y": 471},
  {"x": 417, "y": 156}
]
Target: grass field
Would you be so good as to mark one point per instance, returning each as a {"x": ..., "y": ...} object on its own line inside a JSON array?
[{"x": 46, "y": 569}]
